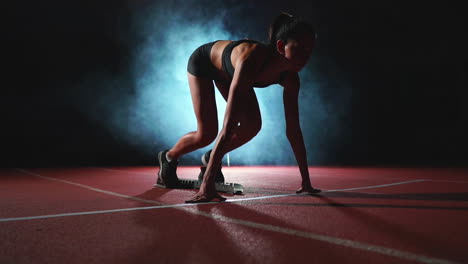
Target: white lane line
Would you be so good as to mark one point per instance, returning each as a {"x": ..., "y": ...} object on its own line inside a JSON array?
[
  {"x": 325, "y": 191},
  {"x": 328, "y": 239},
  {"x": 228, "y": 200},
  {"x": 127, "y": 171},
  {"x": 278, "y": 185},
  {"x": 89, "y": 187},
  {"x": 377, "y": 186},
  {"x": 159, "y": 205},
  {"x": 78, "y": 213},
  {"x": 447, "y": 181}
]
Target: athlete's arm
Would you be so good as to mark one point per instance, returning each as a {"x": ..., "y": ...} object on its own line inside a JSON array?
[
  {"x": 291, "y": 86},
  {"x": 246, "y": 65}
]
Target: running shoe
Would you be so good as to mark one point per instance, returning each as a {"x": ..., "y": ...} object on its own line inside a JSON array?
[
  {"x": 205, "y": 159},
  {"x": 167, "y": 176},
  {"x": 219, "y": 175}
]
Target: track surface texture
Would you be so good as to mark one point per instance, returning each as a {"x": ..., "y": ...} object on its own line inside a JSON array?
[{"x": 115, "y": 215}]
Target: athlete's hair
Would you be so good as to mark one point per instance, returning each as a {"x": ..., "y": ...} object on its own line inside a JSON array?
[{"x": 286, "y": 26}]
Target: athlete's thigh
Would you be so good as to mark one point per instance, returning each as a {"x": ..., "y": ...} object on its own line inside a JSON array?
[
  {"x": 204, "y": 102},
  {"x": 249, "y": 114},
  {"x": 223, "y": 89},
  {"x": 250, "y": 109}
]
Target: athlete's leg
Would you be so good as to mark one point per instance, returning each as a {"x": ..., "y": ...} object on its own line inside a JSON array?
[
  {"x": 250, "y": 120},
  {"x": 204, "y": 104},
  {"x": 241, "y": 134}
]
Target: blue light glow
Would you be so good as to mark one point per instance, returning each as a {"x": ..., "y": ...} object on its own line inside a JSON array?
[{"x": 160, "y": 111}]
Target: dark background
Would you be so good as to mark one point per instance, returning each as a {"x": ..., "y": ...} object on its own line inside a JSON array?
[{"x": 405, "y": 62}]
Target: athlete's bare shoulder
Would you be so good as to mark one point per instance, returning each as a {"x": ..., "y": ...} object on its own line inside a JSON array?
[{"x": 250, "y": 52}]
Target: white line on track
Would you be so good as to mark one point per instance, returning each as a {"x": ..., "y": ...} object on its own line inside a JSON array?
[
  {"x": 447, "y": 181},
  {"x": 327, "y": 191},
  {"x": 126, "y": 171},
  {"x": 328, "y": 239},
  {"x": 186, "y": 207},
  {"x": 269, "y": 173},
  {"x": 89, "y": 187},
  {"x": 227, "y": 201},
  {"x": 161, "y": 205}
]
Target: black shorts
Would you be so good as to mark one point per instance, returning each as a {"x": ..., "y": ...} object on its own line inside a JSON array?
[{"x": 200, "y": 64}]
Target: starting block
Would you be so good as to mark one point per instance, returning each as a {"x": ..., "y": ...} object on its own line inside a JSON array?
[{"x": 225, "y": 187}]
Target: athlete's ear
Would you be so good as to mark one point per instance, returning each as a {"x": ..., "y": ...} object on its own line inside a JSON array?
[{"x": 280, "y": 46}]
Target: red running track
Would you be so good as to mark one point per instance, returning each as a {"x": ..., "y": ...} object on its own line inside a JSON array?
[{"x": 114, "y": 215}]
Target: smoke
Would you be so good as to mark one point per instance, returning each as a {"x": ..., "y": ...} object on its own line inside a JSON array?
[
  {"x": 159, "y": 110},
  {"x": 163, "y": 110}
]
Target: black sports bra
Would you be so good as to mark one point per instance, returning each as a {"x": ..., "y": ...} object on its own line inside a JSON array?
[{"x": 227, "y": 63}]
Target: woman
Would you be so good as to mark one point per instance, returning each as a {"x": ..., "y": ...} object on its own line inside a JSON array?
[{"x": 236, "y": 67}]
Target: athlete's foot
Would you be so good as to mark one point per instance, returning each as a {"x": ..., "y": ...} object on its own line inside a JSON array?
[
  {"x": 167, "y": 176},
  {"x": 309, "y": 190},
  {"x": 204, "y": 198}
]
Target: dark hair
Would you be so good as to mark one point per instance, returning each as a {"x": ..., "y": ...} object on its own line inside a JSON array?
[{"x": 287, "y": 26}]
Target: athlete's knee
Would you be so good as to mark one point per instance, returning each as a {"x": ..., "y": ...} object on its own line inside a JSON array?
[{"x": 206, "y": 136}]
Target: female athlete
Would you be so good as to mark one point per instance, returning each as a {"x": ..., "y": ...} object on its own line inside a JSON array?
[{"x": 236, "y": 67}]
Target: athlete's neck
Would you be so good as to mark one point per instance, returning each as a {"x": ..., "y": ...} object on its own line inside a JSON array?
[{"x": 279, "y": 62}]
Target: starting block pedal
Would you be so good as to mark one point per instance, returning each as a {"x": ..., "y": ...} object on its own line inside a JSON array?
[{"x": 225, "y": 187}]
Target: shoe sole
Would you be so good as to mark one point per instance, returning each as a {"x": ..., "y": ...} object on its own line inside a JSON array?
[
  {"x": 160, "y": 162},
  {"x": 159, "y": 172},
  {"x": 203, "y": 160}
]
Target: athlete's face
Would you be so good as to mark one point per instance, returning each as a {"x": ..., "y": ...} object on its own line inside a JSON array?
[{"x": 298, "y": 50}]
